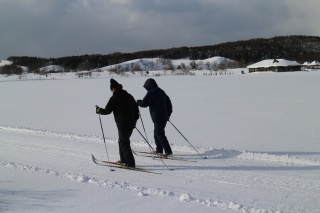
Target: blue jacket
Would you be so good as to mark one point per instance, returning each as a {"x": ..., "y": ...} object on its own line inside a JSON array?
[{"x": 156, "y": 99}]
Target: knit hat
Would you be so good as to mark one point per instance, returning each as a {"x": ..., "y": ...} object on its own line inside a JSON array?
[{"x": 114, "y": 84}]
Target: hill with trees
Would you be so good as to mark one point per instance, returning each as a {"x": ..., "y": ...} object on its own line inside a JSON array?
[{"x": 297, "y": 47}]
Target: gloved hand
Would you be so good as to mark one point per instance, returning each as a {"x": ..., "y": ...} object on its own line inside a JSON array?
[
  {"x": 139, "y": 102},
  {"x": 98, "y": 111}
]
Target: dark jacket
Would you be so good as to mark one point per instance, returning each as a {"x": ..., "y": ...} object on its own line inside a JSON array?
[
  {"x": 124, "y": 108},
  {"x": 156, "y": 99}
]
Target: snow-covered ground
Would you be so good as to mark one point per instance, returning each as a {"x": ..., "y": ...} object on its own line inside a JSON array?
[{"x": 260, "y": 133}]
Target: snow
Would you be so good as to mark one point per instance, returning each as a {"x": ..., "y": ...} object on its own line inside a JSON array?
[
  {"x": 152, "y": 64},
  {"x": 260, "y": 133},
  {"x": 5, "y": 62},
  {"x": 54, "y": 68},
  {"x": 274, "y": 63},
  {"x": 216, "y": 59},
  {"x": 312, "y": 63}
]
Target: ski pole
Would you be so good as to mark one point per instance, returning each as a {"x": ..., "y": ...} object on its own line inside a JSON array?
[
  {"x": 152, "y": 148},
  {"x": 143, "y": 127},
  {"x": 187, "y": 140},
  {"x": 104, "y": 140}
]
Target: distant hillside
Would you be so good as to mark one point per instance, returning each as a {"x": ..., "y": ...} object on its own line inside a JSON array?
[
  {"x": 298, "y": 48},
  {"x": 185, "y": 65}
]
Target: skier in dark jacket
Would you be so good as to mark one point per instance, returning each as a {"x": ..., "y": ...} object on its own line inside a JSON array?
[
  {"x": 160, "y": 108},
  {"x": 126, "y": 114}
]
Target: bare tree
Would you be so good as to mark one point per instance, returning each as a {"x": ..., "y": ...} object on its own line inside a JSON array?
[
  {"x": 117, "y": 70},
  {"x": 185, "y": 70},
  {"x": 215, "y": 67},
  {"x": 223, "y": 66},
  {"x": 200, "y": 65},
  {"x": 193, "y": 65},
  {"x": 167, "y": 64},
  {"x": 208, "y": 67},
  {"x": 136, "y": 67}
]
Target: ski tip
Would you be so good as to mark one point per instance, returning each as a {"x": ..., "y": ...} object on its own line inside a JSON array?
[{"x": 93, "y": 158}]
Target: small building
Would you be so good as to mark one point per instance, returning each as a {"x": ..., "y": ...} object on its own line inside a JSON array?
[
  {"x": 83, "y": 74},
  {"x": 275, "y": 65},
  {"x": 312, "y": 65}
]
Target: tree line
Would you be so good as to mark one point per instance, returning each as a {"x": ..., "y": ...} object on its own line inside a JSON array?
[{"x": 297, "y": 47}]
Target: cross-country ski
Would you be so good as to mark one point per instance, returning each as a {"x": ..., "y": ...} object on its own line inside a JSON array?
[
  {"x": 119, "y": 166},
  {"x": 153, "y": 155}
]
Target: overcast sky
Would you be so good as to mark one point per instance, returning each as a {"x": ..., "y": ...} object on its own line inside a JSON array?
[{"x": 56, "y": 28}]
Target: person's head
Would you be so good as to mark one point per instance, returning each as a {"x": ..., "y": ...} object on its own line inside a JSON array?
[
  {"x": 114, "y": 85},
  {"x": 150, "y": 84}
]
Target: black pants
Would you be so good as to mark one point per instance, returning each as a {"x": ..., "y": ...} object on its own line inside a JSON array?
[
  {"x": 160, "y": 138},
  {"x": 125, "y": 151}
]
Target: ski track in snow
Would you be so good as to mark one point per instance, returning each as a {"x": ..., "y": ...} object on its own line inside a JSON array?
[
  {"x": 282, "y": 159},
  {"x": 142, "y": 191},
  {"x": 208, "y": 152}
]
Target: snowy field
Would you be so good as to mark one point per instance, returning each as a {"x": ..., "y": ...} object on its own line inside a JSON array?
[{"x": 260, "y": 133}]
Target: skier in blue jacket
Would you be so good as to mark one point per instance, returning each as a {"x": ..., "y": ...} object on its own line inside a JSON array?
[{"x": 160, "y": 108}]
